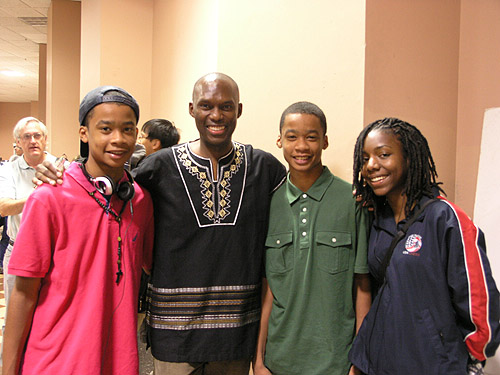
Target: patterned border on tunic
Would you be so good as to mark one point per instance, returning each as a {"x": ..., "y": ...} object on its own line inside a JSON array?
[{"x": 203, "y": 308}]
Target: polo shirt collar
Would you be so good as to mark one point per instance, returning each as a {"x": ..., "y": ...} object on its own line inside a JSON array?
[
  {"x": 316, "y": 191},
  {"x": 74, "y": 170},
  {"x": 24, "y": 165}
]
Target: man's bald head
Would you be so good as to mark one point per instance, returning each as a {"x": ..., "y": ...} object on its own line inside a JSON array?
[
  {"x": 215, "y": 108},
  {"x": 216, "y": 78}
]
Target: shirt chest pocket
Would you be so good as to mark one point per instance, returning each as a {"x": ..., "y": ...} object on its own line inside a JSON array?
[
  {"x": 332, "y": 251},
  {"x": 279, "y": 252}
]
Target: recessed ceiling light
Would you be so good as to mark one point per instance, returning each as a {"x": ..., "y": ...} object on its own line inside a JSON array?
[
  {"x": 12, "y": 73},
  {"x": 34, "y": 21}
]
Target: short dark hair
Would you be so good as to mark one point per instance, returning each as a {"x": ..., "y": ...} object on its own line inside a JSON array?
[
  {"x": 163, "y": 130},
  {"x": 304, "y": 108},
  {"x": 421, "y": 178}
]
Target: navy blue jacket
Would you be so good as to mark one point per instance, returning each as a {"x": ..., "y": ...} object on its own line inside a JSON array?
[{"x": 440, "y": 301}]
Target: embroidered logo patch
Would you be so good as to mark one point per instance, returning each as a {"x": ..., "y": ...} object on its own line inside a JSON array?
[{"x": 413, "y": 244}]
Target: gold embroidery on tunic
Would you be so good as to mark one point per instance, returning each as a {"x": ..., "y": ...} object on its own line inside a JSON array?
[{"x": 208, "y": 199}]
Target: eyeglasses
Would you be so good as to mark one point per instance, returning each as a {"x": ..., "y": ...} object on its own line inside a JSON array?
[{"x": 27, "y": 136}]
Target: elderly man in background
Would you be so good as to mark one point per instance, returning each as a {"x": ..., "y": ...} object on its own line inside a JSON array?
[{"x": 15, "y": 182}]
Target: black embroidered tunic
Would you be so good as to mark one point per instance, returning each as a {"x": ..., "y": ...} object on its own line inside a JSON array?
[{"x": 209, "y": 242}]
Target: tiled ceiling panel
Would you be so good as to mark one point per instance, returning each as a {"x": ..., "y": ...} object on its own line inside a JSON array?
[{"x": 22, "y": 28}]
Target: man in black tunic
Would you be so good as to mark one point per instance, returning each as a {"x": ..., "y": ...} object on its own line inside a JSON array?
[{"x": 211, "y": 198}]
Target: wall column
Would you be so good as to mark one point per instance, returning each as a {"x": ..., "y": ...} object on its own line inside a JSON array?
[
  {"x": 117, "y": 48},
  {"x": 42, "y": 83},
  {"x": 478, "y": 90},
  {"x": 63, "y": 77}
]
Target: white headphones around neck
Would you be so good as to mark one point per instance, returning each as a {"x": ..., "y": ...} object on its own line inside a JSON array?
[{"x": 106, "y": 186}]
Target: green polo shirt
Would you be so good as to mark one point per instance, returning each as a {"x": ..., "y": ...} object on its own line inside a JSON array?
[{"x": 316, "y": 242}]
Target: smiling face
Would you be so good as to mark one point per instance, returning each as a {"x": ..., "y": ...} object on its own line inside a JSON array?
[
  {"x": 384, "y": 165},
  {"x": 303, "y": 140},
  {"x": 32, "y": 141},
  {"x": 111, "y": 134},
  {"x": 216, "y": 109}
]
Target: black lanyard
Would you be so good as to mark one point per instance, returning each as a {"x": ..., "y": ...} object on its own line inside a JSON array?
[{"x": 118, "y": 219}]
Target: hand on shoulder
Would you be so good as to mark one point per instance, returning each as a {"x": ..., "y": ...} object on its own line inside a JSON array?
[{"x": 50, "y": 173}]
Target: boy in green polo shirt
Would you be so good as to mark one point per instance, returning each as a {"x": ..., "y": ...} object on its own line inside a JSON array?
[{"x": 316, "y": 291}]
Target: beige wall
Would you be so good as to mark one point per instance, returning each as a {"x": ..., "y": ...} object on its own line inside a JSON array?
[
  {"x": 412, "y": 50},
  {"x": 123, "y": 58},
  {"x": 42, "y": 82},
  {"x": 282, "y": 52},
  {"x": 273, "y": 51},
  {"x": 63, "y": 77},
  {"x": 35, "y": 110},
  {"x": 435, "y": 64},
  {"x": 478, "y": 89},
  {"x": 432, "y": 63},
  {"x": 90, "y": 56},
  {"x": 10, "y": 114},
  {"x": 184, "y": 48}
]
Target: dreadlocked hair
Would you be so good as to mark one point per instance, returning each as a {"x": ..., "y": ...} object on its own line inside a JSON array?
[{"x": 421, "y": 179}]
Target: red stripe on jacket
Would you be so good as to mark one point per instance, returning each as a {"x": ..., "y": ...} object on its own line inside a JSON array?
[{"x": 477, "y": 340}]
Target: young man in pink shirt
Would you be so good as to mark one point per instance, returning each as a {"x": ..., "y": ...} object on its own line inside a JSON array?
[{"x": 79, "y": 253}]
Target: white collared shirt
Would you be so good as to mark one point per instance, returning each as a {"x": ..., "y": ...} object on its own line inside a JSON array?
[{"x": 16, "y": 183}]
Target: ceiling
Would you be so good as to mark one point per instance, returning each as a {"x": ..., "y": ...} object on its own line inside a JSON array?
[{"x": 23, "y": 25}]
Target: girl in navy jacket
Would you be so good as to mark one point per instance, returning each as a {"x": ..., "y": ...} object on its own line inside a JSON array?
[{"x": 437, "y": 309}]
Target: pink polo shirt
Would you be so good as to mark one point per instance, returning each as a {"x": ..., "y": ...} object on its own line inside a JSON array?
[{"x": 84, "y": 323}]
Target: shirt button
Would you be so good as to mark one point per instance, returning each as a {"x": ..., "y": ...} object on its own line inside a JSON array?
[
  {"x": 304, "y": 234},
  {"x": 304, "y": 221},
  {"x": 304, "y": 195},
  {"x": 304, "y": 209},
  {"x": 278, "y": 242},
  {"x": 334, "y": 240}
]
